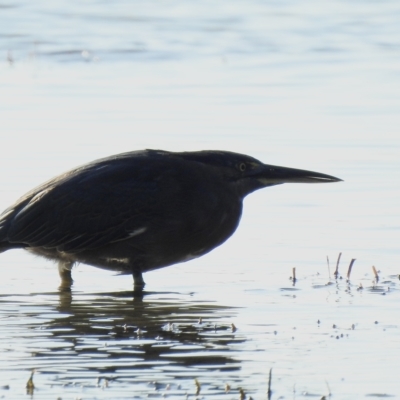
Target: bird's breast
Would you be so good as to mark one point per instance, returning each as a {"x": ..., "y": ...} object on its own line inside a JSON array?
[{"x": 210, "y": 230}]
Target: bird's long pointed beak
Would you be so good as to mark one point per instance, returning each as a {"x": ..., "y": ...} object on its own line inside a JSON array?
[{"x": 274, "y": 175}]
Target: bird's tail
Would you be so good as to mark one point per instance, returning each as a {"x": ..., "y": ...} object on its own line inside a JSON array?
[
  {"x": 4, "y": 243},
  {"x": 4, "y": 246},
  {"x": 3, "y": 240},
  {"x": 5, "y": 221}
]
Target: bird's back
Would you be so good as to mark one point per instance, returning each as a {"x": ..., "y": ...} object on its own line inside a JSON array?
[{"x": 177, "y": 206}]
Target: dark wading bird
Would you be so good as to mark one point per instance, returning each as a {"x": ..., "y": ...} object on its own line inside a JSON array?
[{"x": 139, "y": 211}]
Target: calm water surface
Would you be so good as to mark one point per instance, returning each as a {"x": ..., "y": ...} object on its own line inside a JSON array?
[{"x": 308, "y": 85}]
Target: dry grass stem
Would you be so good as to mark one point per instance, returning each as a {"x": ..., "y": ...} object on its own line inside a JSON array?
[
  {"x": 350, "y": 267},
  {"x": 294, "y": 275},
  {"x": 376, "y": 274},
  {"x": 336, "y": 274},
  {"x": 30, "y": 387},
  {"x": 198, "y": 387},
  {"x": 329, "y": 268},
  {"x": 269, "y": 384}
]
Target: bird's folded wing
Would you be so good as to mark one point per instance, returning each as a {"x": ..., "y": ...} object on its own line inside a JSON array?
[{"x": 85, "y": 210}]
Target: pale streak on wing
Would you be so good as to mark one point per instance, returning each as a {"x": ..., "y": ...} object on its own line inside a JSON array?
[{"x": 136, "y": 232}]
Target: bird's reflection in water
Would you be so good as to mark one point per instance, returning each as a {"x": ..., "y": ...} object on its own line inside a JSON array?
[{"x": 131, "y": 340}]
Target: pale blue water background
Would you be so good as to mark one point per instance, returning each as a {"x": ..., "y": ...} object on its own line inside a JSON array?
[{"x": 310, "y": 85}]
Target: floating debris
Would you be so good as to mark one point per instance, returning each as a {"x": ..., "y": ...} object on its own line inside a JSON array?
[
  {"x": 139, "y": 332},
  {"x": 10, "y": 58}
]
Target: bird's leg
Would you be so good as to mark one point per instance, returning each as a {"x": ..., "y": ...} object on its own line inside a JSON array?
[
  {"x": 138, "y": 282},
  {"x": 64, "y": 269}
]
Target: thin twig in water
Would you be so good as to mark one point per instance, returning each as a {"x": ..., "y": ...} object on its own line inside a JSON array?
[
  {"x": 30, "y": 387},
  {"x": 329, "y": 389},
  {"x": 329, "y": 268},
  {"x": 349, "y": 270},
  {"x": 269, "y": 384},
  {"x": 294, "y": 275},
  {"x": 336, "y": 274},
  {"x": 376, "y": 274},
  {"x": 198, "y": 387}
]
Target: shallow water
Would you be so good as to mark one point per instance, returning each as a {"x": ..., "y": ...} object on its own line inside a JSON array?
[{"x": 314, "y": 86}]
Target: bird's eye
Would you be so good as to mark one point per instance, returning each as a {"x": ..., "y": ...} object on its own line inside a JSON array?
[{"x": 242, "y": 167}]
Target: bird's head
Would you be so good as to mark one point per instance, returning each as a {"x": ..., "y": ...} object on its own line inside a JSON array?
[{"x": 249, "y": 174}]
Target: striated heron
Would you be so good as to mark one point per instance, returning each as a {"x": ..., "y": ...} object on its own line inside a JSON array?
[{"x": 139, "y": 211}]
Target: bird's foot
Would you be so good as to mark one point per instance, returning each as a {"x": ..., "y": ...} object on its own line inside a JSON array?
[
  {"x": 64, "y": 269},
  {"x": 138, "y": 282}
]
